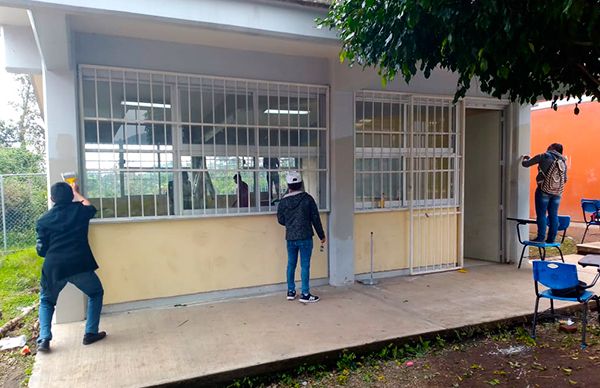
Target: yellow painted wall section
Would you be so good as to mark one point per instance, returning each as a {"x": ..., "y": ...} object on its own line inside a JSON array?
[
  {"x": 436, "y": 239},
  {"x": 391, "y": 234},
  {"x": 154, "y": 259}
]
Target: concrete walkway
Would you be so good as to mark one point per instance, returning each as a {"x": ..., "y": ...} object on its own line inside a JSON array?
[{"x": 236, "y": 337}]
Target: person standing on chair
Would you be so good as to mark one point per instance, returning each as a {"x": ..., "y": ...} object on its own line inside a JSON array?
[
  {"x": 551, "y": 180},
  {"x": 298, "y": 212},
  {"x": 62, "y": 239}
]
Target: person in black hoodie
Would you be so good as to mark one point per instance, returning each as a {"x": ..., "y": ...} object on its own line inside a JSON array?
[
  {"x": 62, "y": 239},
  {"x": 546, "y": 204},
  {"x": 298, "y": 212}
]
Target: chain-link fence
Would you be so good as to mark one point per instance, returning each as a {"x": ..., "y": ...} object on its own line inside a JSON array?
[{"x": 23, "y": 199}]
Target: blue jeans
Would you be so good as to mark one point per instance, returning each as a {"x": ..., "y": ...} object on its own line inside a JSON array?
[
  {"x": 546, "y": 204},
  {"x": 305, "y": 247},
  {"x": 88, "y": 283}
]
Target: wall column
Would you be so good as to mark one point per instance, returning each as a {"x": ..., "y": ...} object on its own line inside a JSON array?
[
  {"x": 519, "y": 143},
  {"x": 341, "y": 221},
  {"x": 52, "y": 37}
]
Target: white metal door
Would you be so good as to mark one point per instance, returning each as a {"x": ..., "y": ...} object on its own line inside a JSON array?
[{"x": 435, "y": 184}]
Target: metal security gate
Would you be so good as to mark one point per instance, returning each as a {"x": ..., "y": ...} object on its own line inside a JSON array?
[{"x": 435, "y": 193}]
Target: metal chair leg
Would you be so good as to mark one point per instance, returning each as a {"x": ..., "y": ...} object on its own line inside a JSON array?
[
  {"x": 544, "y": 255},
  {"x": 522, "y": 254},
  {"x": 561, "y": 254},
  {"x": 552, "y": 308},
  {"x": 584, "y": 233},
  {"x": 535, "y": 313},
  {"x": 584, "y": 325},
  {"x": 540, "y": 251}
]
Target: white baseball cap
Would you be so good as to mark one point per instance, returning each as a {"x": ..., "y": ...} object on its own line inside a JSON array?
[{"x": 293, "y": 177}]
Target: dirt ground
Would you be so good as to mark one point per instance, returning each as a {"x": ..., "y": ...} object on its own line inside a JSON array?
[
  {"x": 504, "y": 358},
  {"x": 14, "y": 367}
]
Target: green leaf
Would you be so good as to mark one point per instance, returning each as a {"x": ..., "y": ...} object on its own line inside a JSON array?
[
  {"x": 546, "y": 68},
  {"x": 342, "y": 56},
  {"x": 483, "y": 65}
]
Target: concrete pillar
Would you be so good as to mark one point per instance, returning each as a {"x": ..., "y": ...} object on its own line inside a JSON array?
[
  {"x": 519, "y": 143},
  {"x": 62, "y": 152},
  {"x": 52, "y": 36},
  {"x": 341, "y": 221}
]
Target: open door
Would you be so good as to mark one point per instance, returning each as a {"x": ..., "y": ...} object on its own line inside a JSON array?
[{"x": 483, "y": 184}]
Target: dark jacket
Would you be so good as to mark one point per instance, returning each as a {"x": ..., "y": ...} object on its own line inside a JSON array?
[
  {"x": 299, "y": 214},
  {"x": 544, "y": 162},
  {"x": 62, "y": 239}
]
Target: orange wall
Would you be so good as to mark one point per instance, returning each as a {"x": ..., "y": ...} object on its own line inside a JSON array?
[{"x": 580, "y": 136}]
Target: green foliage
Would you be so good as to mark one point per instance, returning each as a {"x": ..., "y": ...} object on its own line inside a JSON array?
[
  {"x": 517, "y": 49},
  {"x": 19, "y": 280},
  {"x": 347, "y": 361},
  {"x": 523, "y": 336},
  {"x": 25, "y": 200},
  {"x": 20, "y": 161}
]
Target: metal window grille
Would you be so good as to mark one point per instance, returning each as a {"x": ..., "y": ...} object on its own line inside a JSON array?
[
  {"x": 384, "y": 149},
  {"x": 435, "y": 185},
  {"x": 380, "y": 150},
  {"x": 169, "y": 144}
]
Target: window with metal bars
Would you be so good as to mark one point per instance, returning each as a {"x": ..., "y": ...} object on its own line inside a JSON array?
[
  {"x": 166, "y": 144},
  {"x": 393, "y": 130}
]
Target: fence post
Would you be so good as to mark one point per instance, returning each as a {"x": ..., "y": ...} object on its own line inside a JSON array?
[{"x": 3, "y": 211}]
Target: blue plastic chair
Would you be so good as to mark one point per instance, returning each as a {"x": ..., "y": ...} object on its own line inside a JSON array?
[
  {"x": 561, "y": 277},
  {"x": 591, "y": 207},
  {"x": 563, "y": 225}
]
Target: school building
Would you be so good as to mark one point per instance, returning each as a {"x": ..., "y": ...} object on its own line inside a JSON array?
[{"x": 157, "y": 105}]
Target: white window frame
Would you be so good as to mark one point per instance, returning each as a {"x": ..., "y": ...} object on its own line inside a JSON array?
[
  {"x": 405, "y": 152},
  {"x": 294, "y": 92}
]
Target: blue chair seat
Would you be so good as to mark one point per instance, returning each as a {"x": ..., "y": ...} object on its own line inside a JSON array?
[
  {"x": 563, "y": 224},
  {"x": 542, "y": 244},
  {"x": 584, "y": 297},
  {"x": 561, "y": 276},
  {"x": 591, "y": 207}
]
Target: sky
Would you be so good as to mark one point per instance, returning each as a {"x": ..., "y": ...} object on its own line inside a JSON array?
[{"x": 8, "y": 89}]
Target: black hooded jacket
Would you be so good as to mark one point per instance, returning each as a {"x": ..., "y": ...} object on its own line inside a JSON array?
[
  {"x": 62, "y": 239},
  {"x": 299, "y": 213}
]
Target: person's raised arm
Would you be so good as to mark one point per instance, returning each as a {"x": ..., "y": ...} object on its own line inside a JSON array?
[
  {"x": 78, "y": 197},
  {"x": 528, "y": 162}
]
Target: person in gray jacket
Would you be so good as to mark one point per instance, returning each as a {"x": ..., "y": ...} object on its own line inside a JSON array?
[
  {"x": 298, "y": 212},
  {"x": 546, "y": 204}
]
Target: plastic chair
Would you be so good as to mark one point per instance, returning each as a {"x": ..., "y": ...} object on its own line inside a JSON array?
[
  {"x": 591, "y": 207},
  {"x": 563, "y": 225},
  {"x": 559, "y": 277}
]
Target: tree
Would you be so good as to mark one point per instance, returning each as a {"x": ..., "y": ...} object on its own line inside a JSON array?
[
  {"x": 20, "y": 161},
  {"x": 521, "y": 50},
  {"x": 27, "y": 131}
]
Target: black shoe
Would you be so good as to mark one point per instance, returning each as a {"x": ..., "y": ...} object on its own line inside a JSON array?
[
  {"x": 291, "y": 295},
  {"x": 43, "y": 346},
  {"x": 308, "y": 298},
  {"x": 90, "y": 338}
]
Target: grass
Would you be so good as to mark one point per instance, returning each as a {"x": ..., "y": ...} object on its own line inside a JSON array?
[
  {"x": 421, "y": 363},
  {"x": 19, "y": 282},
  {"x": 19, "y": 287}
]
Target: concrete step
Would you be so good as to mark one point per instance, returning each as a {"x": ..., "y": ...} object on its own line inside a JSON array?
[{"x": 592, "y": 248}]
